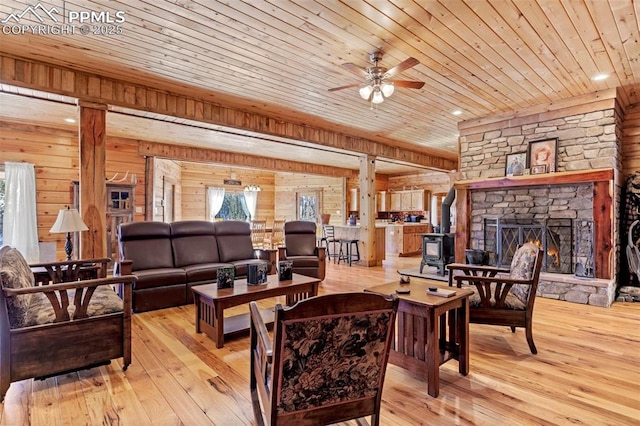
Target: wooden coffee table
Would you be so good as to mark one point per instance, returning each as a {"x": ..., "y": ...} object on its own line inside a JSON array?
[
  {"x": 421, "y": 330},
  {"x": 211, "y": 302}
]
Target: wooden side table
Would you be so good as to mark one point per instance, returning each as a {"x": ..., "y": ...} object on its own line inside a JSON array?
[{"x": 424, "y": 338}]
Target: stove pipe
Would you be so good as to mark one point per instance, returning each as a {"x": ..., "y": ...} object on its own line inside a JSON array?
[{"x": 445, "y": 215}]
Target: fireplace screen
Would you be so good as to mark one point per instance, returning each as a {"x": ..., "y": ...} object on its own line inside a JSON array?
[{"x": 554, "y": 236}]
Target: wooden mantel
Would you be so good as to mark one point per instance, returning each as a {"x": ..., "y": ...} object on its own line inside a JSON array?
[
  {"x": 602, "y": 180},
  {"x": 560, "y": 178}
]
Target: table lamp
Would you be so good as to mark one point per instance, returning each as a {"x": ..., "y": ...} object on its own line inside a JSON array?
[{"x": 68, "y": 221}]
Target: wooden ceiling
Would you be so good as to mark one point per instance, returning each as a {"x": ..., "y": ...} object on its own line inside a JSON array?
[{"x": 280, "y": 58}]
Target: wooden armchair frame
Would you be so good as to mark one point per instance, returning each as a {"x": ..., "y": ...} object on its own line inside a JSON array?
[
  {"x": 269, "y": 364},
  {"x": 493, "y": 287},
  {"x": 67, "y": 344}
]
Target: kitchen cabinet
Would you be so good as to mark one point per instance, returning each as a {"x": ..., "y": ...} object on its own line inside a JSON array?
[
  {"x": 383, "y": 201},
  {"x": 396, "y": 201},
  {"x": 409, "y": 201},
  {"x": 405, "y": 240}
]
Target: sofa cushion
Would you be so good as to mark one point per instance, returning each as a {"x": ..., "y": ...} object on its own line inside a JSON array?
[
  {"x": 16, "y": 274},
  {"x": 103, "y": 301},
  {"x": 510, "y": 302},
  {"x": 203, "y": 272},
  {"x": 234, "y": 240},
  {"x": 147, "y": 244},
  {"x": 159, "y": 277},
  {"x": 194, "y": 242}
]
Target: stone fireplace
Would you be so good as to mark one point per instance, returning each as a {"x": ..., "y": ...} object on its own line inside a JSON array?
[{"x": 571, "y": 213}]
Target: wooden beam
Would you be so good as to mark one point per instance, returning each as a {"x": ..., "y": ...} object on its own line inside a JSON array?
[
  {"x": 96, "y": 88},
  {"x": 93, "y": 187},
  {"x": 603, "y": 224},
  {"x": 204, "y": 155}
]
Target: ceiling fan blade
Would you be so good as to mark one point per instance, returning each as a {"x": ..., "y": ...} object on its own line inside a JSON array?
[
  {"x": 344, "y": 87},
  {"x": 402, "y": 66},
  {"x": 406, "y": 83},
  {"x": 360, "y": 72}
]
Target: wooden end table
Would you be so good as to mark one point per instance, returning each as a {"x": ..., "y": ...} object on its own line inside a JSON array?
[
  {"x": 421, "y": 330},
  {"x": 211, "y": 302}
]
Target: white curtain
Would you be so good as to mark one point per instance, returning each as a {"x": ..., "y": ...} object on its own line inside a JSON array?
[
  {"x": 251, "y": 198},
  {"x": 216, "y": 197},
  {"x": 20, "y": 224}
]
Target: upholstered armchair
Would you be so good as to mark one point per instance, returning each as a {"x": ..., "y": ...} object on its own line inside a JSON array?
[
  {"x": 60, "y": 322},
  {"x": 300, "y": 248},
  {"x": 326, "y": 362},
  {"x": 503, "y": 296}
]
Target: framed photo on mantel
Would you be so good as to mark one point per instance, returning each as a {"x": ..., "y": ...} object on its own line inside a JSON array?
[
  {"x": 543, "y": 153},
  {"x": 515, "y": 164}
]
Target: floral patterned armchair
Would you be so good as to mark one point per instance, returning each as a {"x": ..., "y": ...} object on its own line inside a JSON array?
[
  {"x": 327, "y": 361},
  {"x": 503, "y": 296}
]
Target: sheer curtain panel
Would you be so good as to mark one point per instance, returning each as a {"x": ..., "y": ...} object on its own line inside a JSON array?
[
  {"x": 20, "y": 224},
  {"x": 251, "y": 198},
  {"x": 216, "y": 197}
]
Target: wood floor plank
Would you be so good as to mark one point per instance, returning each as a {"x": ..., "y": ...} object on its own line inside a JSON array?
[{"x": 585, "y": 373}]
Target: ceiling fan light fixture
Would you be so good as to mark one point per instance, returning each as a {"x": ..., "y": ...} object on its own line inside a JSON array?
[
  {"x": 365, "y": 92},
  {"x": 387, "y": 89},
  {"x": 377, "y": 98}
]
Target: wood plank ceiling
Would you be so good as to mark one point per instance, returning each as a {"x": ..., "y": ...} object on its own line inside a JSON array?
[{"x": 280, "y": 58}]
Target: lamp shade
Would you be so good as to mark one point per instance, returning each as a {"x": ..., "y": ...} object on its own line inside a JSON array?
[
  {"x": 68, "y": 220},
  {"x": 377, "y": 96},
  {"x": 365, "y": 92}
]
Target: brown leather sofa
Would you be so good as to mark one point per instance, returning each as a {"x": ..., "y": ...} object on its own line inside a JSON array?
[
  {"x": 300, "y": 247},
  {"x": 169, "y": 259}
]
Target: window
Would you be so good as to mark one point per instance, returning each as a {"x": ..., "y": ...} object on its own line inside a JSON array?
[{"x": 234, "y": 207}]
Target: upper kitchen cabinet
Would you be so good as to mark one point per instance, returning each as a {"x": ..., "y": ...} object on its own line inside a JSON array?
[
  {"x": 414, "y": 200},
  {"x": 383, "y": 201}
]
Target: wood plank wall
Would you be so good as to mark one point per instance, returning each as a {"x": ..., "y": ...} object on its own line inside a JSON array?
[
  {"x": 196, "y": 177},
  {"x": 435, "y": 182},
  {"x": 631, "y": 140},
  {"x": 54, "y": 153},
  {"x": 330, "y": 188},
  {"x": 170, "y": 171}
]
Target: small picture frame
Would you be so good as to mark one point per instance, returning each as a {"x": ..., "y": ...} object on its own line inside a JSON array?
[
  {"x": 285, "y": 270},
  {"x": 257, "y": 273},
  {"x": 226, "y": 276},
  {"x": 515, "y": 164},
  {"x": 543, "y": 153},
  {"x": 539, "y": 169}
]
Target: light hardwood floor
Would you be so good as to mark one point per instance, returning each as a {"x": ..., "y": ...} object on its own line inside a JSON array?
[{"x": 587, "y": 372}]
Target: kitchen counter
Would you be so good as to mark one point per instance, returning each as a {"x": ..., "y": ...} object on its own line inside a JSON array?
[{"x": 352, "y": 232}]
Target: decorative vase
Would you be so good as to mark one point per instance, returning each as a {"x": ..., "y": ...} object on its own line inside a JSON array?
[{"x": 324, "y": 218}]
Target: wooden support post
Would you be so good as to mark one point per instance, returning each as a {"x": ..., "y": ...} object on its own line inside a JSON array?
[
  {"x": 149, "y": 196},
  {"x": 603, "y": 221},
  {"x": 368, "y": 210},
  {"x": 93, "y": 186},
  {"x": 463, "y": 223}
]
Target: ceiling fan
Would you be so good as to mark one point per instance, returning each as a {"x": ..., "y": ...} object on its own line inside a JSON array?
[{"x": 378, "y": 84}]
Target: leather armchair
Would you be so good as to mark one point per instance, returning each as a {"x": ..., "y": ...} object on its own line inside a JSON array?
[{"x": 300, "y": 248}]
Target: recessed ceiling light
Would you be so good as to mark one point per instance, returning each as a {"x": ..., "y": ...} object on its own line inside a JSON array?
[
  {"x": 69, "y": 120},
  {"x": 456, "y": 112},
  {"x": 599, "y": 77}
]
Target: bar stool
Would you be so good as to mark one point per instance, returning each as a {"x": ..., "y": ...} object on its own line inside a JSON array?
[
  {"x": 329, "y": 241},
  {"x": 346, "y": 251}
]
